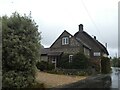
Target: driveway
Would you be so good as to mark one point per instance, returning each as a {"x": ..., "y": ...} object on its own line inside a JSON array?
[
  {"x": 54, "y": 80},
  {"x": 98, "y": 81}
]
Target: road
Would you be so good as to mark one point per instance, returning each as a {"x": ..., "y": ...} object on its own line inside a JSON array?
[
  {"x": 99, "y": 81},
  {"x": 115, "y": 78}
]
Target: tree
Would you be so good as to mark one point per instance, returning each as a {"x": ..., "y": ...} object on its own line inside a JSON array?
[
  {"x": 119, "y": 62},
  {"x": 116, "y": 62},
  {"x": 20, "y": 51}
]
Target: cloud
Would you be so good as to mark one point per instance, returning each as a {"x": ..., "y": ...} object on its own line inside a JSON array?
[{"x": 99, "y": 17}]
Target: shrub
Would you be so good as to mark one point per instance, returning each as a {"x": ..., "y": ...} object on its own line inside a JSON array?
[
  {"x": 64, "y": 62},
  {"x": 17, "y": 79},
  {"x": 76, "y": 72},
  {"x": 44, "y": 66},
  {"x": 80, "y": 61},
  {"x": 20, "y": 50},
  {"x": 37, "y": 85},
  {"x": 105, "y": 65},
  {"x": 50, "y": 66},
  {"x": 82, "y": 73}
]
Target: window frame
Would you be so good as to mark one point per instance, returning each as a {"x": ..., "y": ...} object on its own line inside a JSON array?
[
  {"x": 65, "y": 40},
  {"x": 96, "y": 54},
  {"x": 70, "y": 58}
]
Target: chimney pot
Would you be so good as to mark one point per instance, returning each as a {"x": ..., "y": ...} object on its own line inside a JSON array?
[
  {"x": 95, "y": 37},
  {"x": 81, "y": 27}
]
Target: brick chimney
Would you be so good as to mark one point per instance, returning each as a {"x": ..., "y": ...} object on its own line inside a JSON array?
[{"x": 81, "y": 27}]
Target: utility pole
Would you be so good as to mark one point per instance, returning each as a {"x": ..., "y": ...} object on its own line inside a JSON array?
[
  {"x": 55, "y": 63},
  {"x": 116, "y": 55},
  {"x": 106, "y": 45},
  {"x": 118, "y": 70}
]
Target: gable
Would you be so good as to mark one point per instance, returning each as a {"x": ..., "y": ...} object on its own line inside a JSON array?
[{"x": 59, "y": 41}]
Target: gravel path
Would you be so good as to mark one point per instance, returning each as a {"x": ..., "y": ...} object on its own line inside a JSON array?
[{"x": 53, "y": 80}]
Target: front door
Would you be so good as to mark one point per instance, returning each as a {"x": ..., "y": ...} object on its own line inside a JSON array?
[{"x": 54, "y": 61}]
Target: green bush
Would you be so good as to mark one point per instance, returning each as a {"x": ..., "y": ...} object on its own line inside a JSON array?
[
  {"x": 105, "y": 65},
  {"x": 17, "y": 79},
  {"x": 80, "y": 61},
  {"x": 44, "y": 66},
  {"x": 116, "y": 62},
  {"x": 37, "y": 85},
  {"x": 50, "y": 66},
  {"x": 73, "y": 72},
  {"x": 20, "y": 50},
  {"x": 82, "y": 73},
  {"x": 64, "y": 62}
]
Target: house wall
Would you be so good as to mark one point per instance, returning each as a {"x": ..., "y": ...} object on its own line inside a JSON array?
[
  {"x": 87, "y": 52},
  {"x": 73, "y": 47},
  {"x": 93, "y": 45},
  {"x": 68, "y": 50},
  {"x": 44, "y": 58}
]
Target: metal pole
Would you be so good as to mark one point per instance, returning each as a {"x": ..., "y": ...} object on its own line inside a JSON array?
[
  {"x": 55, "y": 63},
  {"x": 100, "y": 66},
  {"x": 118, "y": 81}
]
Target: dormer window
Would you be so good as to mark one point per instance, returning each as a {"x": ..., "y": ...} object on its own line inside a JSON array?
[{"x": 65, "y": 40}]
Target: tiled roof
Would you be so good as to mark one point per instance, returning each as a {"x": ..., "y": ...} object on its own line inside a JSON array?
[
  {"x": 54, "y": 53},
  {"x": 46, "y": 51},
  {"x": 85, "y": 35}
]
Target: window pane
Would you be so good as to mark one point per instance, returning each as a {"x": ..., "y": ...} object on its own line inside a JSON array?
[
  {"x": 70, "y": 58},
  {"x": 65, "y": 40}
]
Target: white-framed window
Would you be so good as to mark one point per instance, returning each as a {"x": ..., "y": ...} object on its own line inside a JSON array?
[
  {"x": 96, "y": 53},
  {"x": 65, "y": 40},
  {"x": 70, "y": 58}
]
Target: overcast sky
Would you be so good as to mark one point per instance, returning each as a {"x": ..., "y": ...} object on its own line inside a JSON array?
[{"x": 99, "y": 17}]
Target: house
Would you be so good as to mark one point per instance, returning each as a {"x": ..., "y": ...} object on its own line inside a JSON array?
[{"x": 69, "y": 44}]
